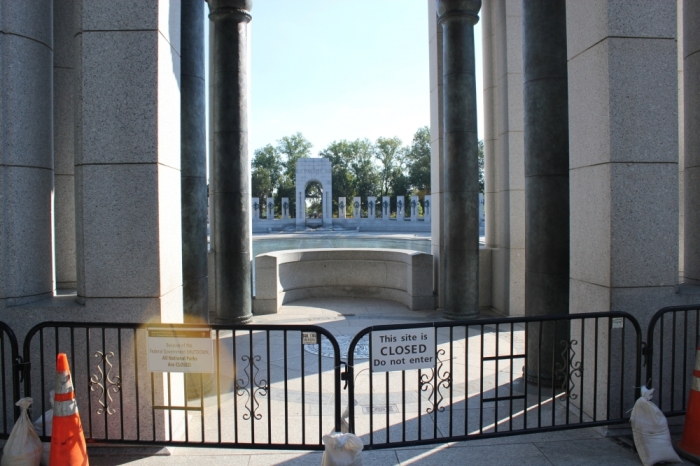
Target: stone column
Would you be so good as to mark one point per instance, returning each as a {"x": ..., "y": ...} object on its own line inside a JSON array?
[
  {"x": 26, "y": 152},
  {"x": 460, "y": 258},
  {"x": 64, "y": 143},
  {"x": 270, "y": 208},
  {"x": 232, "y": 231},
  {"x": 285, "y": 208},
  {"x": 342, "y": 208},
  {"x": 414, "y": 208},
  {"x": 371, "y": 205},
  {"x": 546, "y": 178},
  {"x": 127, "y": 161},
  {"x": 427, "y": 208},
  {"x": 256, "y": 208},
  {"x": 356, "y": 205},
  {"x": 691, "y": 172},
  {"x": 400, "y": 208},
  {"x": 386, "y": 207},
  {"x": 193, "y": 181}
]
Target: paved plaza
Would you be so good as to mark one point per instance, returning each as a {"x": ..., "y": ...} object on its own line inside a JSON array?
[{"x": 345, "y": 317}]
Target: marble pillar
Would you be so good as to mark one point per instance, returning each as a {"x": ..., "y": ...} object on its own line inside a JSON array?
[
  {"x": 127, "y": 160},
  {"x": 232, "y": 227},
  {"x": 400, "y": 208},
  {"x": 193, "y": 181},
  {"x": 255, "y": 204},
  {"x": 371, "y": 206},
  {"x": 26, "y": 153},
  {"x": 270, "y": 208},
  {"x": 414, "y": 208},
  {"x": 342, "y": 208},
  {"x": 386, "y": 207},
  {"x": 427, "y": 200},
  {"x": 546, "y": 180},
  {"x": 691, "y": 133},
  {"x": 504, "y": 153},
  {"x": 356, "y": 204},
  {"x": 460, "y": 256},
  {"x": 285, "y": 208},
  {"x": 64, "y": 143}
]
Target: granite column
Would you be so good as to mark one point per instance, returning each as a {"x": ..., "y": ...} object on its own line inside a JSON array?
[
  {"x": 460, "y": 255},
  {"x": 26, "y": 152},
  {"x": 546, "y": 179},
  {"x": 691, "y": 172},
  {"x": 231, "y": 186},
  {"x": 193, "y": 163}
]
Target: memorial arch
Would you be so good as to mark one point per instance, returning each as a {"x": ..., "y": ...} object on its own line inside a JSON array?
[{"x": 316, "y": 170}]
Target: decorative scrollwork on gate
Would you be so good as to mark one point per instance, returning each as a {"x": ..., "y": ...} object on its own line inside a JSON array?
[
  {"x": 252, "y": 387},
  {"x": 567, "y": 371},
  {"x": 105, "y": 383},
  {"x": 437, "y": 380}
]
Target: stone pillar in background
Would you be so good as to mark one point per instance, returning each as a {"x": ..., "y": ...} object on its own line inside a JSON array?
[
  {"x": 427, "y": 207},
  {"x": 232, "y": 231},
  {"x": 127, "y": 166},
  {"x": 256, "y": 208},
  {"x": 270, "y": 208},
  {"x": 26, "y": 153},
  {"x": 414, "y": 208},
  {"x": 460, "y": 256},
  {"x": 400, "y": 208},
  {"x": 356, "y": 205},
  {"x": 193, "y": 181},
  {"x": 64, "y": 143},
  {"x": 546, "y": 181},
  {"x": 691, "y": 132},
  {"x": 504, "y": 153},
  {"x": 386, "y": 207},
  {"x": 342, "y": 208},
  {"x": 481, "y": 213},
  {"x": 285, "y": 208},
  {"x": 371, "y": 206}
]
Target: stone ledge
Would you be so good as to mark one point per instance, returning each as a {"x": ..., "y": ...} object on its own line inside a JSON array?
[{"x": 405, "y": 276}]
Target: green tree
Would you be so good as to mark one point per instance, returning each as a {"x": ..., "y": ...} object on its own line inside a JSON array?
[
  {"x": 341, "y": 155},
  {"x": 269, "y": 159},
  {"x": 293, "y": 148},
  {"x": 261, "y": 184},
  {"x": 418, "y": 156},
  {"x": 389, "y": 154}
]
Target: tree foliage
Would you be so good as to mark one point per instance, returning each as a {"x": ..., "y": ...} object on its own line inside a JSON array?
[{"x": 359, "y": 168}]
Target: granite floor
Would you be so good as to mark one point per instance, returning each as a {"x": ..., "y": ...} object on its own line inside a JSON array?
[{"x": 299, "y": 408}]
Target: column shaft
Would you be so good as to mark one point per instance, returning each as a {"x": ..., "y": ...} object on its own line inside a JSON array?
[
  {"x": 232, "y": 232},
  {"x": 26, "y": 152},
  {"x": 546, "y": 178},
  {"x": 460, "y": 260},
  {"x": 691, "y": 132},
  {"x": 193, "y": 164}
]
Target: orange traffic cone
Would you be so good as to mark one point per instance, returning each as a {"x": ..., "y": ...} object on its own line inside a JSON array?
[
  {"x": 689, "y": 446},
  {"x": 67, "y": 439}
]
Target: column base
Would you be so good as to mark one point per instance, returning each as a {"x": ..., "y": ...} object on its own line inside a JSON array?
[
  {"x": 234, "y": 320},
  {"x": 458, "y": 316}
]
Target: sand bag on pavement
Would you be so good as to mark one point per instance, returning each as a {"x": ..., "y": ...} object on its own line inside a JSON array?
[
  {"x": 342, "y": 450},
  {"x": 23, "y": 447},
  {"x": 651, "y": 435}
]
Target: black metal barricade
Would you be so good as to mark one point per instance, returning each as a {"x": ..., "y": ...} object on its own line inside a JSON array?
[
  {"x": 673, "y": 337},
  {"x": 9, "y": 375},
  {"x": 583, "y": 370},
  {"x": 267, "y": 389}
]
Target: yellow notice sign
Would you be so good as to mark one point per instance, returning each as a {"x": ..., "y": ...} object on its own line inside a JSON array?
[{"x": 180, "y": 350}]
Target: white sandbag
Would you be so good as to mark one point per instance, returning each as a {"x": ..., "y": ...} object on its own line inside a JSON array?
[
  {"x": 23, "y": 448},
  {"x": 39, "y": 427},
  {"x": 651, "y": 435},
  {"x": 342, "y": 450}
]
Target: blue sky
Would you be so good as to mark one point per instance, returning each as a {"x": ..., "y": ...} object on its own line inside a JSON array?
[{"x": 340, "y": 69}]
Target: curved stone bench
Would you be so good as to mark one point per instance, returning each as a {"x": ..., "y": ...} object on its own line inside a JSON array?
[{"x": 399, "y": 275}]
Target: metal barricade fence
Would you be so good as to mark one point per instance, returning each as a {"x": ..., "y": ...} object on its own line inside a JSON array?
[
  {"x": 582, "y": 370},
  {"x": 271, "y": 386},
  {"x": 9, "y": 376},
  {"x": 673, "y": 337}
]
